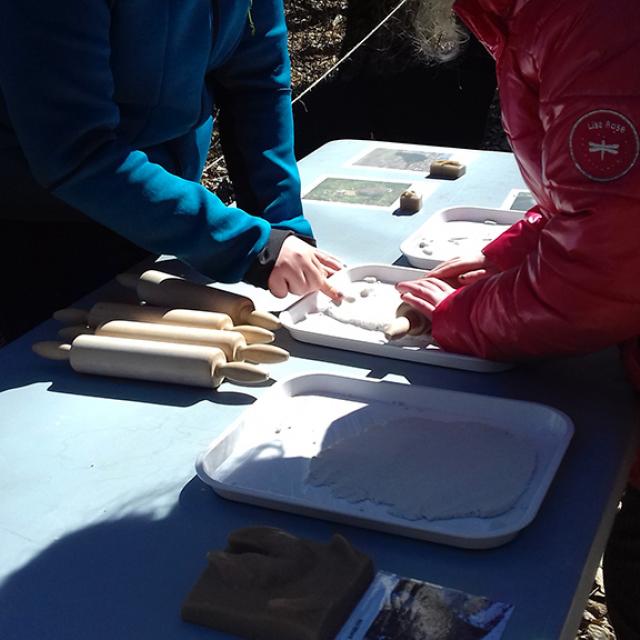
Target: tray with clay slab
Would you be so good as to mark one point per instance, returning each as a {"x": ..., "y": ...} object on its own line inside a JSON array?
[
  {"x": 315, "y": 319},
  {"x": 454, "y": 232},
  {"x": 270, "y": 457}
]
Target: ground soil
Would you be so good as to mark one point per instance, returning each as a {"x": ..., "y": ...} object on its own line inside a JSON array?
[{"x": 320, "y": 33}]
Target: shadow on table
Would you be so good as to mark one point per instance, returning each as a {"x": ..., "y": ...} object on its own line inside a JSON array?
[
  {"x": 127, "y": 578},
  {"x": 559, "y": 382}
]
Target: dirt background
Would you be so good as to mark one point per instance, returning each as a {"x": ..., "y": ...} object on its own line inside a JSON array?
[{"x": 380, "y": 92}]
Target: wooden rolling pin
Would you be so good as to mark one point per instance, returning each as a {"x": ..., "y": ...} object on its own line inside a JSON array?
[
  {"x": 232, "y": 344},
  {"x": 408, "y": 321},
  {"x": 157, "y": 287},
  {"x": 102, "y": 312},
  {"x": 147, "y": 360}
]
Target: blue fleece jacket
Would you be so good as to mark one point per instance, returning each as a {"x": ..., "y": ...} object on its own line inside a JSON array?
[{"x": 109, "y": 105}]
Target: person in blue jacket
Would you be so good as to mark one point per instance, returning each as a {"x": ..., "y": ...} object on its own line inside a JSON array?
[{"x": 107, "y": 108}]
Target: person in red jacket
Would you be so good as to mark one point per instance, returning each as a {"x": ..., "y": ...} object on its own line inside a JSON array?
[{"x": 566, "y": 278}]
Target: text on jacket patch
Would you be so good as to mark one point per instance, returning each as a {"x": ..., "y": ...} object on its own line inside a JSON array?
[{"x": 604, "y": 145}]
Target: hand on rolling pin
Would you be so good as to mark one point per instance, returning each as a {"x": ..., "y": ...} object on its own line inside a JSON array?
[
  {"x": 301, "y": 268},
  {"x": 458, "y": 272},
  {"x": 424, "y": 294}
]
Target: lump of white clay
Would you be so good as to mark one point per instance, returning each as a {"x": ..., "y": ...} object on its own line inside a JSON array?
[
  {"x": 373, "y": 305},
  {"x": 420, "y": 468},
  {"x": 450, "y": 169},
  {"x": 410, "y": 200}
]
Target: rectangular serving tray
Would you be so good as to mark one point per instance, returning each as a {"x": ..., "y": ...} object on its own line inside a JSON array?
[
  {"x": 436, "y": 228},
  {"x": 374, "y": 342},
  {"x": 263, "y": 457}
]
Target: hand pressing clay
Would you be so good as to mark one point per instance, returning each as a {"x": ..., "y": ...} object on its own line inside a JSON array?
[
  {"x": 102, "y": 312},
  {"x": 368, "y": 307},
  {"x": 270, "y": 585},
  {"x": 368, "y": 304},
  {"x": 147, "y": 360},
  {"x": 159, "y": 288}
]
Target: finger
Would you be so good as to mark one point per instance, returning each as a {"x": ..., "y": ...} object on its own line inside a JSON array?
[
  {"x": 425, "y": 307},
  {"x": 313, "y": 275},
  {"x": 298, "y": 284},
  {"x": 329, "y": 290},
  {"x": 328, "y": 272},
  {"x": 472, "y": 276},
  {"x": 439, "y": 284},
  {"x": 413, "y": 286},
  {"x": 448, "y": 268},
  {"x": 329, "y": 261}
]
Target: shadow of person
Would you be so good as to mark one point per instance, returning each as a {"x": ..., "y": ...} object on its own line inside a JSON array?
[{"x": 127, "y": 578}]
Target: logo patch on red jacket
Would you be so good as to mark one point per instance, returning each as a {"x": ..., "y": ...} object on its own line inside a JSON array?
[{"x": 604, "y": 145}]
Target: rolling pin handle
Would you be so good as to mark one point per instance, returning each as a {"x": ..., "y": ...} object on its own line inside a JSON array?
[
  {"x": 128, "y": 280},
  {"x": 262, "y": 319},
  {"x": 71, "y": 316},
  {"x": 262, "y": 353},
  {"x": 397, "y": 328},
  {"x": 52, "y": 350},
  {"x": 241, "y": 372},
  {"x": 255, "y": 335},
  {"x": 69, "y": 334}
]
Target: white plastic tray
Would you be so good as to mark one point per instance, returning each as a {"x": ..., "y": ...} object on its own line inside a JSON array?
[
  {"x": 298, "y": 320},
  {"x": 436, "y": 234},
  {"x": 263, "y": 458}
]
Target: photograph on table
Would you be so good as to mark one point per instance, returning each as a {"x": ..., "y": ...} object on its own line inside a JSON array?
[
  {"x": 396, "y": 607},
  {"x": 402, "y": 159},
  {"x": 370, "y": 193}
]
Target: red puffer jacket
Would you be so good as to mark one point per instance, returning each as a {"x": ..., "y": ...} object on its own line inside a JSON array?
[{"x": 569, "y": 82}]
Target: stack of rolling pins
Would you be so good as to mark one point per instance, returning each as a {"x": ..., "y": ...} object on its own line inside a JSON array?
[{"x": 183, "y": 333}]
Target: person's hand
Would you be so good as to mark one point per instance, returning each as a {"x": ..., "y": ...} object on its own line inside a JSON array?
[
  {"x": 301, "y": 268},
  {"x": 424, "y": 294},
  {"x": 458, "y": 272}
]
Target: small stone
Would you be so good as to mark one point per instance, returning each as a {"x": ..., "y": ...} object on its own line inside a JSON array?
[
  {"x": 370, "y": 279},
  {"x": 349, "y": 299},
  {"x": 365, "y": 292},
  {"x": 427, "y": 252}
]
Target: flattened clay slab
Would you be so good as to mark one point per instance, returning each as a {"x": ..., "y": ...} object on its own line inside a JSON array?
[
  {"x": 270, "y": 585},
  {"x": 428, "y": 469}
]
